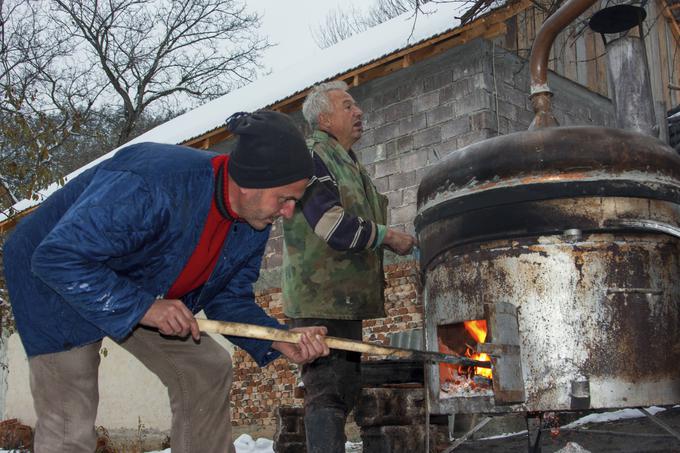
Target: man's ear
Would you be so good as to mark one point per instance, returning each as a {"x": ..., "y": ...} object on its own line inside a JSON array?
[{"x": 324, "y": 120}]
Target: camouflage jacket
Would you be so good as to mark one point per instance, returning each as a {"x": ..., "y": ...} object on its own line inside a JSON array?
[{"x": 318, "y": 281}]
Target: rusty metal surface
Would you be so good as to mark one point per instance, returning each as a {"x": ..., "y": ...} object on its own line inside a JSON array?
[
  {"x": 503, "y": 346},
  {"x": 604, "y": 308},
  {"x": 541, "y": 218},
  {"x": 554, "y": 222},
  {"x": 547, "y": 164}
]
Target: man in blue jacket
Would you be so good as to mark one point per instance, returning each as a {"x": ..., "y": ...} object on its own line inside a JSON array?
[{"x": 134, "y": 247}]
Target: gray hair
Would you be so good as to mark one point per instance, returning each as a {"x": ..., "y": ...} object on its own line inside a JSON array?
[{"x": 317, "y": 101}]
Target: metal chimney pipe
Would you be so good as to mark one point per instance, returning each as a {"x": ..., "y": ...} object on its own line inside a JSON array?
[
  {"x": 540, "y": 52},
  {"x": 630, "y": 85}
]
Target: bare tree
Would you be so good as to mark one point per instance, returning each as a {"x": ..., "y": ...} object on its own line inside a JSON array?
[
  {"x": 156, "y": 51},
  {"x": 43, "y": 99},
  {"x": 384, "y": 10},
  {"x": 341, "y": 23}
]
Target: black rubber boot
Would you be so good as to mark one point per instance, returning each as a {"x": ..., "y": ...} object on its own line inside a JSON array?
[{"x": 325, "y": 430}]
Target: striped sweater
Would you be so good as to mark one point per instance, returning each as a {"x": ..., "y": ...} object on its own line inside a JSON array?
[{"x": 323, "y": 211}]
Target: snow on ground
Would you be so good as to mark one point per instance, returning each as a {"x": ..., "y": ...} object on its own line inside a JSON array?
[
  {"x": 622, "y": 414},
  {"x": 602, "y": 417},
  {"x": 246, "y": 444}
]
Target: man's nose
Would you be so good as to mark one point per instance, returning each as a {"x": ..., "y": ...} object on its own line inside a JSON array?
[{"x": 288, "y": 209}]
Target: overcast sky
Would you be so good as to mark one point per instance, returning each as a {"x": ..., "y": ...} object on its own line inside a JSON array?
[{"x": 288, "y": 24}]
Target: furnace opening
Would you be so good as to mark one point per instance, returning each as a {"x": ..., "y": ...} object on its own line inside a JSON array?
[{"x": 462, "y": 339}]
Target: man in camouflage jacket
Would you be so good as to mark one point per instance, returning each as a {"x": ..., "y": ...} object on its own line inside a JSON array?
[{"x": 333, "y": 260}]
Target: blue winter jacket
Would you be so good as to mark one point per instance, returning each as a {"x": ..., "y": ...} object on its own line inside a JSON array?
[{"x": 90, "y": 261}]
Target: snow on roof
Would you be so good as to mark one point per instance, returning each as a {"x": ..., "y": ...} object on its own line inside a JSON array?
[{"x": 401, "y": 32}]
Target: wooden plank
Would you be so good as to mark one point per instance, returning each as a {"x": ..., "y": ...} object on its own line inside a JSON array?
[
  {"x": 495, "y": 30},
  {"x": 216, "y": 136},
  {"x": 289, "y": 107},
  {"x": 531, "y": 29},
  {"x": 558, "y": 53},
  {"x": 581, "y": 65},
  {"x": 671, "y": 53},
  {"x": 570, "y": 54},
  {"x": 668, "y": 12},
  {"x": 601, "y": 68},
  {"x": 510, "y": 42},
  {"x": 492, "y": 31},
  {"x": 522, "y": 38},
  {"x": 672, "y": 39},
  {"x": 653, "y": 51},
  {"x": 205, "y": 144},
  {"x": 676, "y": 29},
  {"x": 663, "y": 54},
  {"x": 8, "y": 224},
  {"x": 676, "y": 67},
  {"x": 377, "y": 72},
  {"x": 591, "y": 61},
  {"x": 481, "y": 23}
]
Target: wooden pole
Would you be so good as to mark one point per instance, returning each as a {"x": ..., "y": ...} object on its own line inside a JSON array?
[{"x": 269, "y": 333}]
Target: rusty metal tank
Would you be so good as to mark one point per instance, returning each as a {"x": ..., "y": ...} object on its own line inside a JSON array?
[{"x": 565, "y": 240}]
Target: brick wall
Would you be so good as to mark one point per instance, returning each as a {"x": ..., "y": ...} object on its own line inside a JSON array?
[
  {"x": 414, "y": 118},
  {"x": 257, "y": 392}
]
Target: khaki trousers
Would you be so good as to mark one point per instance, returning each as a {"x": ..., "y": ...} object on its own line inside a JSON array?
[{"x": 198, "y": 377}]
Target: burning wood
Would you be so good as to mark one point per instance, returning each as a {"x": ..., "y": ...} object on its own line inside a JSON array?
[
  {"x": 463, "y": 386},
  {"x": 456, "y": 380}
]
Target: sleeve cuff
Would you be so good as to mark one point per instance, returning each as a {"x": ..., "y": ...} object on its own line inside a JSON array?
[
  {"x": 269, "y": 357},
  {"x": 380, "y": 236}
]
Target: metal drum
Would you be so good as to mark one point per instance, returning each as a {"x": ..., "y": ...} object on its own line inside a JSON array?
[{"x": 565, "y": 240}]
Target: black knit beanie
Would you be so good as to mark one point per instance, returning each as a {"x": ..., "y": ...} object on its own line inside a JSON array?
[{"x": 270, "y": 151}]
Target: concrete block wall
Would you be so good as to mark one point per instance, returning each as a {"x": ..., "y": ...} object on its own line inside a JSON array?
[
  {"x": 256, "y": 392},
  {"x": 419, "y": 115}
]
